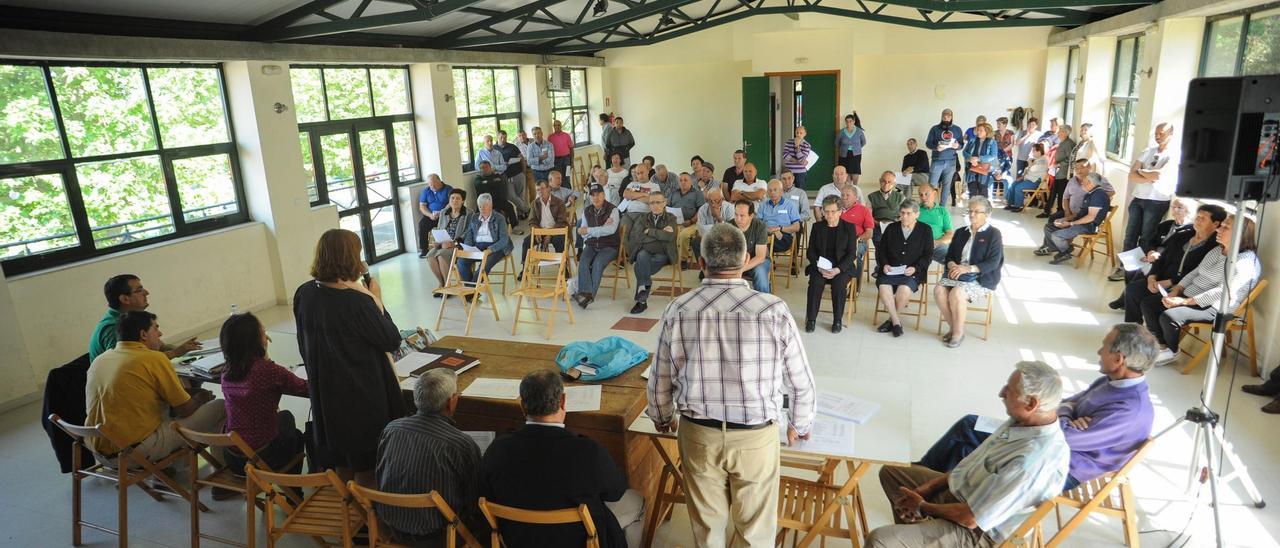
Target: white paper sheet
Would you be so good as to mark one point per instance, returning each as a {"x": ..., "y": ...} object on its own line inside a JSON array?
[
  {"x": 897, "y": 270},
  {"x": 811, "y": 160},
  {"x": 208, "y": 363},
  {"x": 586, "y": 369},
  {"x": 703, "y": 229},
  {"x": 470, "y": 248},
  {"x": 679, "y": 213},
  {"x": 500, "y": 389},
  {"x": 412, "y": 361},
  {"x": 645, "y": 374},
  {"x": 1163, "y": 292},
  {"x": 582, "y": 398},
  {"x": 207, "y": 347},
  {"x": 483, "y": 439},
  {"x": 829, "y": 436},
  {"x": 846, "y": 407},
  {"x": 987, "y": 425},
  {"x": 1131, "y": 259},
  {"x": 900, "y": 178},
  {"x": 825, "y": 263}
]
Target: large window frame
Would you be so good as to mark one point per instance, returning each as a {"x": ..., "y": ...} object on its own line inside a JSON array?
[
  {"x": 65, "y": 167},
  {"x": 463, "y": 99},
  {"x": 567, "y": 114},
  {"x": 1123, "y": 110},
  {"x": 1069, "y": 90},
  {"x": 1245, "y": 17}
]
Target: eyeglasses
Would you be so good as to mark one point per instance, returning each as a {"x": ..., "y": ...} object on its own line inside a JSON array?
[{"x": 977, "y": 212}]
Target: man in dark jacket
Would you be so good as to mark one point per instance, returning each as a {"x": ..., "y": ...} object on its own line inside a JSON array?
[
  {"x": 543, "y": 466},
  {"x": 944, "y": 140}
]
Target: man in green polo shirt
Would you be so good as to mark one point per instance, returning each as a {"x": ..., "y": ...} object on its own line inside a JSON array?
[
  {"x": 125, "y": 293},
  {"x": 939, "y": 219}
]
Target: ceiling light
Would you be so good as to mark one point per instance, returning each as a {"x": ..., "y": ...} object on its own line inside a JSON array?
[{"x": 601, "y": 7}]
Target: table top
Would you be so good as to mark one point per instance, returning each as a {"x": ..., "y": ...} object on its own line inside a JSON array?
[{"x": 885, "y": 438}]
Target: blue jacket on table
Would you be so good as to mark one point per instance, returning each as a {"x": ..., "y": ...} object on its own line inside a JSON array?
[
  {"x": 497, "y": 228},
  {"x": 987, "y": 253}
]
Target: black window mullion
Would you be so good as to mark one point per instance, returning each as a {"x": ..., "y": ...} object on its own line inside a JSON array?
[
  {"x": 175, "y": 197},
  {"x": 1240, "y": 45},
  {"x": 70, "y": 181},
  {"x": 368, "y": 82},
  {"x": 324, "y": 95},
  {"x": 317, "y": 167}
]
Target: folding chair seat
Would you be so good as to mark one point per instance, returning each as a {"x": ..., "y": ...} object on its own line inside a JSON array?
[
  {"x": 470, "y": 292},
  {"x": 326, "y": 512},
  {"x": 494, "y": 512}
]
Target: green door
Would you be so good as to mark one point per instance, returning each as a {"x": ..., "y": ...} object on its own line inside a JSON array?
[
  {"x": 820, "y": 121},
  {"x": 755, "y": 123}
]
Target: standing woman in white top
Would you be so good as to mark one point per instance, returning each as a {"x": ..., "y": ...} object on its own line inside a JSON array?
[{"x": 617, "y": 173}]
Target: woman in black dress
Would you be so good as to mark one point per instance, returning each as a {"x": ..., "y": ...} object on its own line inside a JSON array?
[
  {"x": 344, "y": 335},
  {"x": 903, "y": 256},
  {"x": 835, "y": 241}
]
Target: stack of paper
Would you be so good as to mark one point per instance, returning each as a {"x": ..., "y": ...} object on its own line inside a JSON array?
[
  {"x": 412, "y": 361},
  {"x": 582, "y": 398},
  {"x": 828, "y": 436},
  {"x": 501, "y": 389},
  {"x": 1132, "y": 260},
  {"x": 846, "y": 407}
]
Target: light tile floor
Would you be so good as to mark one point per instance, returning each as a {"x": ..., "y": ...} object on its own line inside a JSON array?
[{"x": 1053, "y": 313}]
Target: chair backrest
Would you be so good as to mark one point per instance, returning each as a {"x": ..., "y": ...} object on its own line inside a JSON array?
[
  {"x": 621, "y": 261},
  {"x": 533, "y": 266},
  {"x": 268, "y": 481},
  {"x": 1247, "y": 304},
  {"x": 549, "y": 232},
  {"x": 367, "y": 497},
  {"x": 77, "y": 433},
  {"x": 493, "y": 511}
]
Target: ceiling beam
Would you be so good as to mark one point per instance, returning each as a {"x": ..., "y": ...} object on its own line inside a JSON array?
[
  {"x": 590, "y": 27},
  {"x": 979, "y": 5},
  {"x": 432, "y": 11},
  {"x": 446, "y": 39}
]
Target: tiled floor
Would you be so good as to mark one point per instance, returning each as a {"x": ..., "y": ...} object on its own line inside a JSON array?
[{"x": 1051, "y": 313}]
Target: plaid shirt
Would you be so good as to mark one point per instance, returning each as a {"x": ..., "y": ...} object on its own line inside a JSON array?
[{"x": 725, "y": 353}]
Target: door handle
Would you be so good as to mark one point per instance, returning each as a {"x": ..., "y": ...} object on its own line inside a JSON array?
[{"x": 745, "y": 144}]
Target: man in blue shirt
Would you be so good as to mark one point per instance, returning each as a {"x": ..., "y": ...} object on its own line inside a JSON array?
[
  {"x": 541, "y": 156},
  {"x": 491, "y": 155},
  {"x": 434, "y": 198},
  {"x": 781, "y": 217}
]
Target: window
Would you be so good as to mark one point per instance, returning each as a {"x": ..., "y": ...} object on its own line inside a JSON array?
[
  {"x": 487, "y": 99},
  {"x": 101, "y": 157},
  {"x": 1122, "y": 115},
  {"x": 570, "y": 107},
  {"x": 357, "y": 142},
  {"x": 1069, "y": 96},
  {"x": 1242, "y": 44}
]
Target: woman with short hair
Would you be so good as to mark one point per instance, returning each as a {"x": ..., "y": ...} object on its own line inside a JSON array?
[
  {"x": 835, "y": 241},
  {"x": 972, "y": 270},
  {"x": 903, "y": 256}
]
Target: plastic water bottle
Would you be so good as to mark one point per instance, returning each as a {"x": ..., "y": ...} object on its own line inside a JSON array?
[{"x": 234, "y": 309}]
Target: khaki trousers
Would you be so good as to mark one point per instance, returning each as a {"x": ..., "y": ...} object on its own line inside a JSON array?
[
  {"x": 731, "y": 476},
  {"x": 931, "y": 533},
  {"x": 684, "y": 240}
]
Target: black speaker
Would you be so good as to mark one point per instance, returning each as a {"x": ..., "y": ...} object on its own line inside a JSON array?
[{"x": 1229, "y": 141}]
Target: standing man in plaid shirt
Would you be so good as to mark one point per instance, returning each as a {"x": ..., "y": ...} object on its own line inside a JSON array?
[{"x": 726, "y": 355}]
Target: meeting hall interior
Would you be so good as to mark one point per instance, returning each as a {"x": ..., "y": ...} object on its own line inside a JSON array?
[{"x": 625, "y": 273}]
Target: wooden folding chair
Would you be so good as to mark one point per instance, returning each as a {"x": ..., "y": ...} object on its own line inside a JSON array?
[
  {"x": 1030, "y": 527},
  {"x": 850, "y": 307},
  {"x": 1040, "y": 192},
  {"x": 541, "y": 273},
  {"x": 493, "y": 511},
  {"x": 593, "y": 158},
  {"x": 132, "y": 468},
  {"x": 537, "y": 287},
  {"x": 325, "y": 513},
  {"x": 378, "y": 536},
  {"x": 802, "y": 501},
  {"x": 1088, "y": 242},
  {"x": 1241, "y": 320},
  {"x": 674, "y": 279},
  {"x": 506, "y": 268},
  {"x": 454, "y": 286},
  {"x": 617, "y": 272},
  {"x": 1110, "y": 495},
  {"x": 579, "y": 181},
  {"x": 986, "y": 310},
  {"x": 222, "y": 477},
  {"x": 791, "y": 261},
  {"x": 921, "y": 300}
]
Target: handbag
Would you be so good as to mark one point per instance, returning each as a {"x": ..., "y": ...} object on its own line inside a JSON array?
[{"x": 982, "y": 168}]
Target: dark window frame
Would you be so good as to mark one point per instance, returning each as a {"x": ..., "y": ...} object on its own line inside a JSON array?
[
  {"x": 574, "y": 109},
  {"x": 1128, "y": 102},
  {"x": 66, "y": 168},
  {"x": 1245, "y": 16},
  {"x": 517, "y": 115},
  {"x": 1069, "y": 96}
]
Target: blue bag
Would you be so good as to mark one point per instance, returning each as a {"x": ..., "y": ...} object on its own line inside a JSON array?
[{"x": 610, "y": 356}]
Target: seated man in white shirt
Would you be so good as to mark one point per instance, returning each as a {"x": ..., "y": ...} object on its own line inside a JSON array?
[
  {"x": 635, "y": 196},
  {"x": 839, "y": 178},
  {"x": 991, "y": 492},
  {"x": 749, "y": 187},
  {"x": 796, "y": 195}
]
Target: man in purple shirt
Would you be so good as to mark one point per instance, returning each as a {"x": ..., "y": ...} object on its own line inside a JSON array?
[{"x": 1103, "y": 425}]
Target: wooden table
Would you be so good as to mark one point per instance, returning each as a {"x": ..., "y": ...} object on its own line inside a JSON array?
[
  {"x": 809, "y": 507},
  {"x": 622, "y": 400}
]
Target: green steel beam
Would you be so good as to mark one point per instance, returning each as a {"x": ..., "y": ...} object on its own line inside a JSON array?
[
  {"x": 433, "y": 11},
  {"x": 590, "y": 27},
  {"x": 446, "y": 40}
]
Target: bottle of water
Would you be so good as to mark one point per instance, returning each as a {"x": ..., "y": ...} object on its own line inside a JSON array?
[{"x": 234, "y": 309}]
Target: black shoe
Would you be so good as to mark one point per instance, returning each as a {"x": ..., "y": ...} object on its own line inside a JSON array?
[
  {"x": 1116, "y": 304},
  {"x": 519, "y": 276},
  {"x": 642, "y": 294},
  {"x": 438, "y": 295},
  {"x": 1044, "y": 215},
  {"x": 1265, "y": 389},
  {"x": 422, "y": 255},
  {"x": 1015, "y": 210},
  {"x": 897, "y": 331},
  {"x": 639, "y": 307},
  {"x": 836, "y": 327},
  {"x": 1008, "y": 207},
  {"x": 1062, "y": 258},
  {"x": 1043, "y": 251},
  {"x": 810, "y": 325},
  {"x": 577, "y": 298},
  {"x": 885, "y": 327}
]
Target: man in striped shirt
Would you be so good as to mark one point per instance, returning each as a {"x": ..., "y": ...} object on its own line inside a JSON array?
[
  {"x": 726, "y": 355},
  {"x": 424, "y": 452},
  {"x": 989, "y": 494}
]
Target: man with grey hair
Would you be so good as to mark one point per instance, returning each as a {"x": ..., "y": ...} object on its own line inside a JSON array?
[
  {"x": 990, "y": 492},
  {"x": 427, "y": 452},
  {"x": 726, "y": 355},
  {"x": 543, "y": 466},
  {"x": 651, "y": 244},
  {"x": 1103, "y": 425},
  {"x": 1093, "y": 210}
]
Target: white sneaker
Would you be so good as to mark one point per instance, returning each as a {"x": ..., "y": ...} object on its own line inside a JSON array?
[{"x": 1165, "y": 356}]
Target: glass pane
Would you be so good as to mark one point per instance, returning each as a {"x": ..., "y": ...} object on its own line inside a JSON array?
[
  {"x": 28, "y": 132},
  {"x": 1222, "y": 47},
  {"x": 354, "y": 223},
  {"x": 511, "y": 126},
  {"x": 308, "y": 166},
  {"x": 1124, "y": 67},
  {"x": 1073, "y": 69},
  {"x": 390, "y": 92},
  {"x": 34, "y": 216},
  {"x": 508, "y": 90},
  {"x": 581, "y": 127},
  {"x": 188, "y": 105},
  {"x": 464, "y": 144},
  {"x": 205, "y": 186},
  {"x": 125, "y": 200},
  {"x": 578, "y": 87},
  {"x": 1120, "y": 126},
  {"x": 560, "y": 99},
  {"x": 377, "y": 173},
  {"x": 480, "y": 91},
  {"x": 339, "y": 173},
  {"x": 383, "y": 220},
  {"x": 1262, "y": 44},
  {"x": 480, "y": 127},
  {"x": 1069, "y": 109},
  {"x": 406, "y": 152},
  {"x": 460, "y": 92},
  {"x": 348, "y": 93},
  {"x": 308, "y": 96},
  {"x": 104, "y": 109}
]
